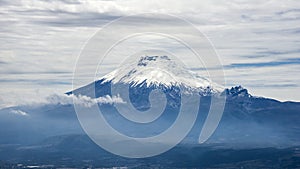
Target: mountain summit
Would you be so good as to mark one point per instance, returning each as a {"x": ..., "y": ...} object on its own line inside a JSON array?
[
  {"x": 160, "y": 71},
  {"x": 139, "y": 77}
]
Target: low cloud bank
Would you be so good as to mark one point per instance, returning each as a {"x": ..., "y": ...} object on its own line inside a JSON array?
[
  {"x": 38, "y": 99},
  {"x": 82, "y": 100}
]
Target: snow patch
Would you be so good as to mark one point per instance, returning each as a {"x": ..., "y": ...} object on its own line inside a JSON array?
[{"x": 160, "y": 70}]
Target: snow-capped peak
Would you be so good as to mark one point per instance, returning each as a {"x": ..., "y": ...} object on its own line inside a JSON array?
[{"x": 157, "y": 71}]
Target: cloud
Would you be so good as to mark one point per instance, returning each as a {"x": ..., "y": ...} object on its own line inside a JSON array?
[
  {"x": 19, "y": 112},
  {"x": 42, "y": 39},
  {"x": 292, "y": 61},
  {"x": 82, "y": 100},
  {"x": 38, "y": 98}
]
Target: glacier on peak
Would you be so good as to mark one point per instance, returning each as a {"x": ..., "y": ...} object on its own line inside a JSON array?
[{"x": 160, "y": 71}]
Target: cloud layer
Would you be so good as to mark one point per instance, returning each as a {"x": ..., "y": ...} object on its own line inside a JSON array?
[
  {"x": 257, "y": 41},
  {"x": 82, "y": 100}
]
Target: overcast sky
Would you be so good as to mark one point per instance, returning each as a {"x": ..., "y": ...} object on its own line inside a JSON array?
[{"x": 258, "y": 41}]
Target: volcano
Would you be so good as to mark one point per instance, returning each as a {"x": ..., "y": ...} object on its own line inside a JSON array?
[
  {"x": 247, "y": 119},
  {"x": 251, "y": 126},
  {"x": 148, "y": 73}
]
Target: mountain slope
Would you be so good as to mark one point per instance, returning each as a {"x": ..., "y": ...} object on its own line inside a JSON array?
[
  {"x": 247, "y": 120},
  {"x": 155, "y": 72}
]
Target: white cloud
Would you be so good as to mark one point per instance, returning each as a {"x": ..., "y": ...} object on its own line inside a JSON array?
[
  {"x": 41, "y": 39},
  {"x": 19, "y": 112},
  {"x": 38, "y": 98},
  {"x": 82, "y": 100}
]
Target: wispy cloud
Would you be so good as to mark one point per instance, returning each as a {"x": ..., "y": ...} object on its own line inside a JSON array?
[
  {"x": 82, "y": 100},
  {"x": 19, "y": 112},
  {"x": 292, "y": 61},
  {"x": 42, "y": 39},
  {"x": 37, "y": 99}
]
